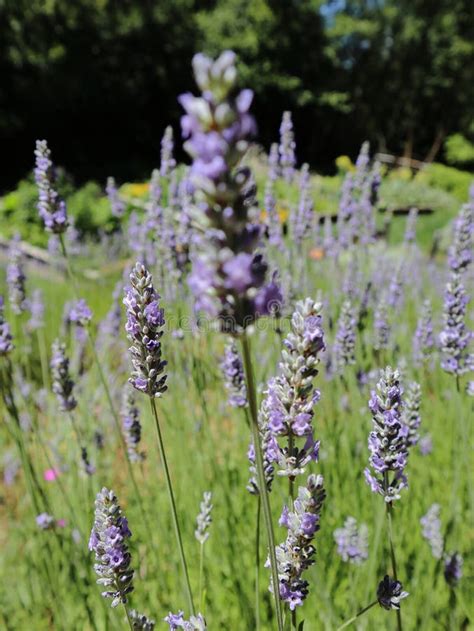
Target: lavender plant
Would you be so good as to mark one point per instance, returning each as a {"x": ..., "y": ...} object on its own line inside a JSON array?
[
  {"x": 344, "y": 346},
  {"x": 423, "y": 339},
  {"x": 352, "y": 541},
  {"x": 16, "y": 278},
  {"x": 287, "y": 148},
  {"x": 431, "y": 530},
  {"x": 51, "y": 208},
  {"x": 131, "y": 425},
  {"x": 117, "y": 205},
  {"x": 234, "y": 378},
  {"x": 455, "y": 337},
  {"x": 6, "y": 338}
]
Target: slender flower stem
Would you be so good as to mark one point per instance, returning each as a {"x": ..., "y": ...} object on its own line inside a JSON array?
[
  {"x": 257, "y": 565},
  {"x": 201, "y": 572},
  {"x": 358, "y": 614},
  {"x": 267, "y": 514},
  {"x": 174, "y": 513},
  {"x": 129, "y": 620},
  {"x": 394, "y": 561}
]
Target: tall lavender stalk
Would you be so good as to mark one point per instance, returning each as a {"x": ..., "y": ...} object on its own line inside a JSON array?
[
  {"x": 16, "y": 278},
  {"x": 144, "y": 327},
  {"x": 423, "y": 339},
  {"x": 273, "y": 220},
  {"x": 388, "y": 449},
  {"x": 6, "y": 338},
  {"x": 228, "y": 276},
  {"x": 203, "y": 523},
  {"x": 287, "y": 148}
]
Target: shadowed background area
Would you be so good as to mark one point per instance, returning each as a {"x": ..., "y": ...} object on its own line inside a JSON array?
[{"x": 99, "y": 79}]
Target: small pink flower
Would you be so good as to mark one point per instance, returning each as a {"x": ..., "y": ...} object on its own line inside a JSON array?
[
  {"x": 50, "y": 475},
  {"x": 61, "y": 523}
]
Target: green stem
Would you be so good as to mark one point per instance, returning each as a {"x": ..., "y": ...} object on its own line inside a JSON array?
[
  {"x": 394, "y": 561},
  {"x": 174, "y": 513},
  {"x": 267, "y": 514},
  {"x": 358, "y": 614},
  {"x": 201, "y": 572},
  {"x": 257, "y": 566},
  {"x": 129, "y": 620}
]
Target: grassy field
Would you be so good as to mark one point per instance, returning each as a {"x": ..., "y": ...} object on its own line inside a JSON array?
[{"x": 48, "y": 576}]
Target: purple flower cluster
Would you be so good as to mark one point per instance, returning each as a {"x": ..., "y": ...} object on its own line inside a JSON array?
[
  {"x": 132, "y": 429},
  {"x": 234, "y": 378},
  {"x": 352, "y": 541},
  {"x": 44, "y": 521},
  {"x": 455, "y": 337},
  {"x": 287, "y": 148},
  {"x": 167, "y": 163},
  {"x": 6, "y": 339},
  {"x": 423, "y": 339},
  {"x": 297, "y": 553},
  {"x": 270, "y": 452},
  {"x": 80, "y": 313},
  {"x": 228, "y": 277},
  {"x": 108, "y": 541},
  {"x": 390, "y": 593},
  {"x": 51, "y": 208},
  {"x": 117, "y": 204},
  {"x": 62, "y": 384},
  {"x": 16, "y": 278},
  {"x": 177, "y": 621},
  {"x": 344, "y": 345},
  {"x": 388, "y": 440},
  {"x": 291, "y": 395},
  {"x": 431, "y": 530},
  {"x": 304, "y": 215},
  {"x": 144, "y": 327}
]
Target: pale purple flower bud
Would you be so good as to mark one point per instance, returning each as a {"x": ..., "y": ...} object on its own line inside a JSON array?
[
  {"x": 431, "y": 530},
  {"x": 140, "y": 622},
  {"x": 352, "y": 541},
  {"x": 204, "y": 519}
]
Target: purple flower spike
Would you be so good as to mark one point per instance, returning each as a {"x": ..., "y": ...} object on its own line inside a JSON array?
[
  {"x": 6, "y": 339},
  {"x": 51, "y": 208},
  {"x": 233, "y": 371},
  {"x": 287, "y": 147},
  {"x": 144, "y": 327},
  {"x": 117, "y": 204},
  {"x": 455, "y": 338},
  {"x": 228, "y": 277},
  {"x": 168, "y": 163},
  {"x": 62, "y": 384},
  {"x": 16, "y": 278},
  {"x": 388, "y": 440},
  {"x": 352, "y": 541},
  {"x": 80, "y": 313},
  {"x": 431, "y": 530},
  {"x": 108, "y": 540}
]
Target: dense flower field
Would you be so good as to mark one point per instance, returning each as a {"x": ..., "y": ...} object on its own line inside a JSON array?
[{"x": 265, "y": 424}]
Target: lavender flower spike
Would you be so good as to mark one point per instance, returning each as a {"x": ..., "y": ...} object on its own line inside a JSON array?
[
  {"x": 62, "y": 384},
  {"x": 51, "y": 208},
  {"x": 36, "y": 307},
  {"x": 344, "y": 346},
  {"x": 117, "y": 204},
  {"x": 131, "y": 426},
  {"x": 431, "y": 530},
  {"x": 270, "y": 451},
  {"x": 287, "y": 147},
  {"x": 455, "y": 337},
  {"x": 411, "y": 413},
  {"x": 381, "y": 326},
  {"x": 204, "y": 519},
  {"x": 423, "y": 340},
  {"x": 144, "y": 327},
  {"x": 296, "y": 554},
  {"x": 80, "y": 313},
  {"x": 390, "y": 593},
  {"x": 291, "y": 396},
  {"x": 16, "y": 278},
  {"x": 108, "y": 541},
  {"x": 352, "y": 541},
  {"x": 168, "y": 163},
  {"x": 177, "y": 621},
  {"x": 460, "y": 252},
  {"x": 140, "y": 622},
  {"x": 273, "y": 220},
  {"x": 228, "y": 277},
  {"x": 233, "y": 372},
  {"x": 388, "y": 440},
  {"x": 6, "y": 339}
]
